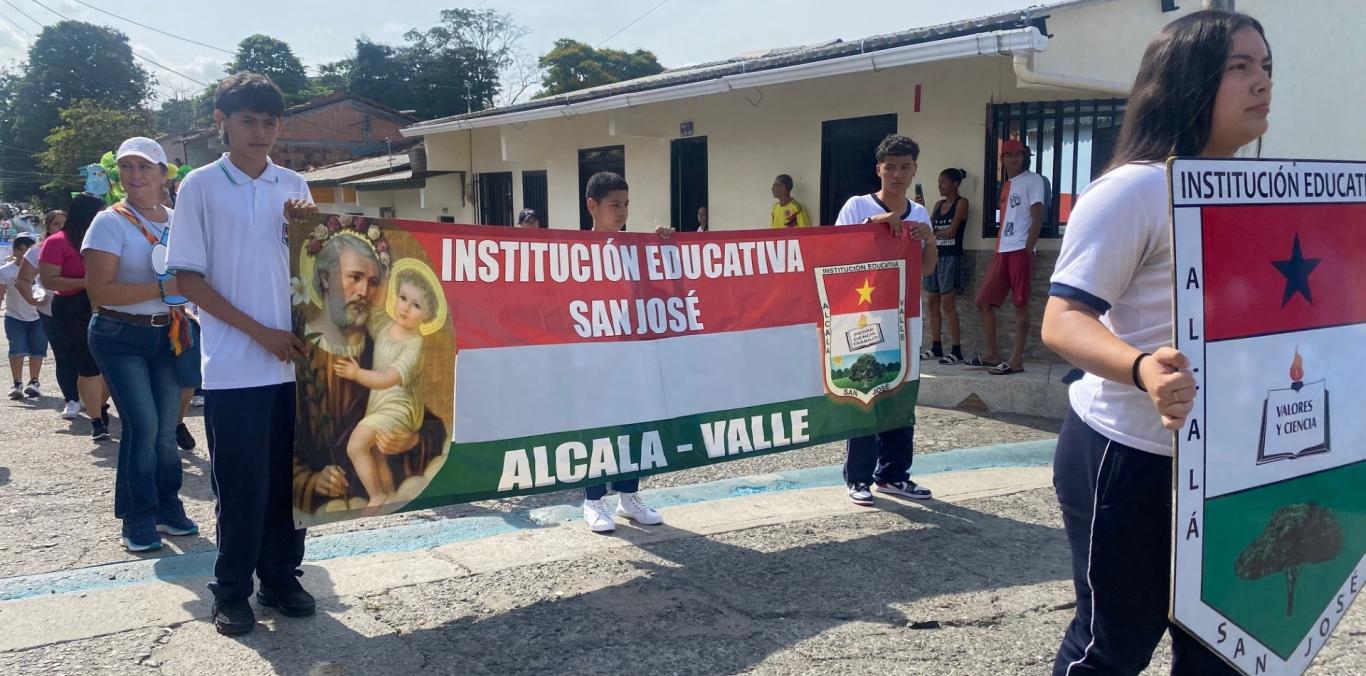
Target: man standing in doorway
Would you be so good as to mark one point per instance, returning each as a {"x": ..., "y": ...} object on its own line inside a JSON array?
[
  {"x": 1012, "y": 268},
  {"x": 788, "y": 212}
]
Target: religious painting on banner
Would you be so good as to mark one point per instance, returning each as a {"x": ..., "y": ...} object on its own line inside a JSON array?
[
  {"x": 1270, "y": 515},
  {"x": 451, "y": 363}
]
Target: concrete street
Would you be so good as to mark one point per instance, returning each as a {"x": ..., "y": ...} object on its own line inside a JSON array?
[{"x": 762, "y": 567}]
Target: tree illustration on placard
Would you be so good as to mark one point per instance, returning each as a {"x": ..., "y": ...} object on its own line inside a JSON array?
[{"x": 1297, "y": 536}]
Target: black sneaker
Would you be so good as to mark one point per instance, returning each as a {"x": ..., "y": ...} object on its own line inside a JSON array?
[
  {"x": 905, "y": 489},
  {"x": 183, "y": 438},
  {"x": 99, "y": 430},
  {"x": 233, "y": 618},
  {"x": 104, "y": 415},
  {"x": 288, "y": 597}
]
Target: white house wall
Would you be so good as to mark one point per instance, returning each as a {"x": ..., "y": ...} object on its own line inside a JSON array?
[{"x": 756, "y": 134}]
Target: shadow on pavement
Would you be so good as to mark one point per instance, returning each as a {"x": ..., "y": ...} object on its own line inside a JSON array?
[{"x": 692, "y": 605}]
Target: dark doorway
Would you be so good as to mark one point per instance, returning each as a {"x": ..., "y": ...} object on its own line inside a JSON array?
[
  {"x": 688, "y": 183},
  {"x": 495, "y": 198},
  {"x": 847, "y": 159},
  {"x": 535, "y": 195},
  {"x": 591, "y": 161}
]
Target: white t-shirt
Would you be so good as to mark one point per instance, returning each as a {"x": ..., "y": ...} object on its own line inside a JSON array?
[
  {"x": 1025, "y": 190},
  {"x": 111, "y": 233},
  {"x": 232, "y": 229},
  {"x": 44, "y": 298},
  {"x": 15, "y": 305},
  {"x": 860, "y": 208},
  {"x": 1116, "y": 258}
]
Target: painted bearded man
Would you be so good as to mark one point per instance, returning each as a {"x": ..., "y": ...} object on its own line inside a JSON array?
[{"x": 349, "y": 280}]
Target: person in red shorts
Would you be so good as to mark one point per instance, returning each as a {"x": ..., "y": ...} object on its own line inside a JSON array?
[{"x": 1012, "y": 267}]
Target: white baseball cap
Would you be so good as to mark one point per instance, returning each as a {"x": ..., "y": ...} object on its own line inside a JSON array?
[{"x": 143, "y": 147}]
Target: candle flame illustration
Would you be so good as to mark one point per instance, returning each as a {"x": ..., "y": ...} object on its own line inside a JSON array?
[{"x": 1297, "y": 368}]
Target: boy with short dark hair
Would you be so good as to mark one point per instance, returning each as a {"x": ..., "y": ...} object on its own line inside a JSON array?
[
  {"x": 608, "y": 199},
  {"x": 882, "y": 461},
  {"x": 787, "y": 212},
  {"x": 230, "y": 249}
]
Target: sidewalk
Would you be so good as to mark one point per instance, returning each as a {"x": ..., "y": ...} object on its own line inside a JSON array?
[{"x": 786, "y": 582}]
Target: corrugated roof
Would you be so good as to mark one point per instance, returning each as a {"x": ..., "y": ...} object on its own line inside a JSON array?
[
  {"x": 779, "y": 58},
  {"x": 382, "y": 179},
  {"x": 345, "y": 171}
]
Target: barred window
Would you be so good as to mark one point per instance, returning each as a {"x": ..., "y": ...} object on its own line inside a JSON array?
[{"x": 1070, "y": 143}]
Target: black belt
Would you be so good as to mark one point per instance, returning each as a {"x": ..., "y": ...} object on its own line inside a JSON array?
[{"x": 159, "y": 319}]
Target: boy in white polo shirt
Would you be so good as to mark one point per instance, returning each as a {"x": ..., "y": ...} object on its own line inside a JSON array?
[
  {"x": 882, "y": 461},
  {"x": 1012, "y": 268},
  {"x": 229, "y": 247}
]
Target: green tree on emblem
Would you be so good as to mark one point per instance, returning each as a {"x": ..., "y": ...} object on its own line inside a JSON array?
[
  {"x": 865, "y": 370},
  {"x": 1298, "y": 535}
]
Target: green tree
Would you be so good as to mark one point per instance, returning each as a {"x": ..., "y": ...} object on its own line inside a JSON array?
[
  {"x": 70, "y": 61},
  {"x": 865, "y": 370},
  {"x": 381, "y": 73},
  {"x": 88, "y": 131},
  {"x": 273, "y": 58},
  {"x": 331, "y": 77},
  {"x": 572, "y": 65},
  {"x": 454, "y": 66},
  {"x": 1298, "y": 535},
  {"x": 179, "y": 115}
]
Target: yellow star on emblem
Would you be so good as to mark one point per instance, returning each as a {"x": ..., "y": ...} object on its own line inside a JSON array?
[{"x": 865, "y": 292}]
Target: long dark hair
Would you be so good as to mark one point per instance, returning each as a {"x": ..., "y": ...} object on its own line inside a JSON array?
[
  {"x": 78, "y": 217},
  {"x": 1172, "y": 103}
]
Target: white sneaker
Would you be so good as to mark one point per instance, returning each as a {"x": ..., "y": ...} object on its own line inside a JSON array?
[
  {"x": 597, "y": 517},
  {"x": 33, "y": 390},
  {"x": 633, "y": 508},
  {"x": 860, "y": 494},
  {"x": 71, "y": 410},
  {"x": 16, "y": 392},
  {"x": 197, "y": 401}
]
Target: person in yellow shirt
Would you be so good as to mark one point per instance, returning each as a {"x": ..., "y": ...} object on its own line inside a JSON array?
[{"x": 788, "y": 212}]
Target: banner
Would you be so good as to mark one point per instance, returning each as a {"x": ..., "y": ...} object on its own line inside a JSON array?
[
  {"x": 452, "y": 363},
  {"x": 1270, "y": 525}
]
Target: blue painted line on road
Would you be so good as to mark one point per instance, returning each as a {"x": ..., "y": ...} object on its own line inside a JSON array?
[{"x": 428, "y": 534}]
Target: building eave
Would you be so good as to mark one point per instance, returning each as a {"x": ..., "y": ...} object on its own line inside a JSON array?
[{"x": 1019, "y": 41}]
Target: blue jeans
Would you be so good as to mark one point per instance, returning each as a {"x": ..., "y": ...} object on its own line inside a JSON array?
[
  {"x": 138, "y": 366},
  {"x": 26, "y": 339}
]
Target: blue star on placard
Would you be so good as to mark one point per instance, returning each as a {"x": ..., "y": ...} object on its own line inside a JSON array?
[{"x": 1296, "y": 271}]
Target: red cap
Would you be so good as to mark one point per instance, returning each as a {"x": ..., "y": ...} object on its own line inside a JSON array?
[{"x": 1011, "y": 145}]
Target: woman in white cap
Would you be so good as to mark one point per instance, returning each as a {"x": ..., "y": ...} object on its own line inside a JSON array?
[{"x": 137, "y": 335}]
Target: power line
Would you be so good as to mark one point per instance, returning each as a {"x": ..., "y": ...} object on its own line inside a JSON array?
[
  {"x": 26, "y": 14},
  {"x": 22, "y": 150},
  {"x": 151, "y": 28},
  {"x": 65, "y": 17},
  {"x": 621, "y": 30},
  {"x": 130, "y": 49},
  {"x": 168, "y": 68},
  {"x": 21, "y": 29}
]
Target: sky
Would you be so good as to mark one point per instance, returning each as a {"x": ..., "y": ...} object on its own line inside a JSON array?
[{"x": 679, "y": 32}]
